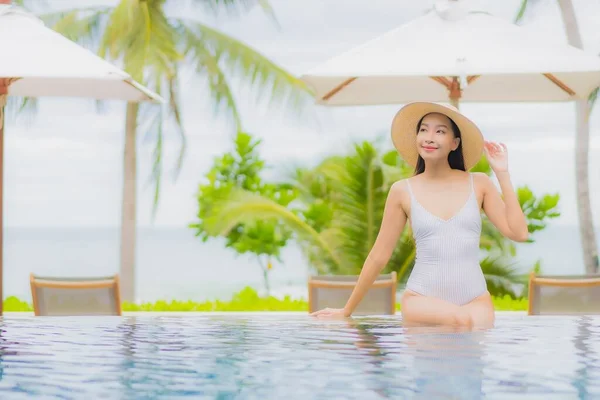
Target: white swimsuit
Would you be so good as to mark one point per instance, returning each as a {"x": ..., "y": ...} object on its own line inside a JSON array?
[{"x": 447, "y": 261}]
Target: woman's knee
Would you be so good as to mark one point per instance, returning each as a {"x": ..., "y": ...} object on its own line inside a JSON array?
[{"x": 462, "y": 318}]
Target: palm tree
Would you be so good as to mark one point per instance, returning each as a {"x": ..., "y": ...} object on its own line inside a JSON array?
[
  {"x": 153, "y": 47},
  {"x": 582, "y": 142},
  {"x": 339, "y": 212}
]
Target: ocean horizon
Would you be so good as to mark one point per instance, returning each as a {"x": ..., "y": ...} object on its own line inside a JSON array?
[{"x": 173, "y": 264}]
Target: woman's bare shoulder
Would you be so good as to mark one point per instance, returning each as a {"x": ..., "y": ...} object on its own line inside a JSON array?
[
  {"x": 399, "y": 191},
  {"x": 400, "y": 186},
  {"x": 482, "y": 183},
  {"x": 481, "y": 179}
]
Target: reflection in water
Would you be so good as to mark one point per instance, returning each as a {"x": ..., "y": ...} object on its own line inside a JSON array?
[
  {"x": 368, "y": 343},
  {"x": 127, "y": 350},
  {"x": 580, "y": 340},
  {"x": 447, "y": 362},
  {"x": 3, "y": 348}
]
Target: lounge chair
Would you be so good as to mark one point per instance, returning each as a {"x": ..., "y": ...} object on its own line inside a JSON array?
[
  {"x": 564, "y": 294},
  {"x": 54, "y": 296},
  {"x": 334, "y": 290}
]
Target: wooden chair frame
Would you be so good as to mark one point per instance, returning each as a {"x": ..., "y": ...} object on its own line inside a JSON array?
[
  {"x": 321, "y": 281},
  {"x": 561, "y": 281},
  {"x": 74, "y": 283}
]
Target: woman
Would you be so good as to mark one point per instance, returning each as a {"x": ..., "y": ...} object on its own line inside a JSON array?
[{"x": 443, "y": 203}]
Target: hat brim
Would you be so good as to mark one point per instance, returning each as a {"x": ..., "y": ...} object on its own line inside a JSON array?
[{"x": 404, "y": 132}]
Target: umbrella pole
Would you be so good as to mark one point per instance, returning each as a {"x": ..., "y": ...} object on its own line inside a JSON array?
[
  {"x": 4, "y": 83},
  {"x": 455, "y": 92},
  {"x": 454, "y": 102},
  {"x": 453, "y": 86},
  {"x": 2, "y": 104},
  {"x": 3, "y": 95}
]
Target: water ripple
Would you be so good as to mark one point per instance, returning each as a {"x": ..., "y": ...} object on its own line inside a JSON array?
[{"x": 272, "y": 356}]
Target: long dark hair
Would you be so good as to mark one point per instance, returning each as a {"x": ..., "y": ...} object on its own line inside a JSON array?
[{"x": 455, "y": 158}]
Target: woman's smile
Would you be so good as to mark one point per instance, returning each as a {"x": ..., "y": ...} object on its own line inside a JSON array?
[{"x": 429, "y": 148}]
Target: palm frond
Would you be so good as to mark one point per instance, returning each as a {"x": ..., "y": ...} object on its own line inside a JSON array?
[
  {"x": 313, "y": 253},
  {"x": 156, "y": 117},
  {"x": 206, "y": 61},
  {"x": 522, "y": 10},
  {"x": 403, "y": 257},
  {"x": 359, "y": 206},
  {"x": 593, "y": 97},
  {"x": 140, "y": 35},
  {"x": 235, "y": 7},
  {"x": 157, "y": 153},
  {"x": 267, "y": 81},
  {"x": 175, "y": 109},
  {"x": 240, "y": 206},
  {"x": 82, "y": 25},
  {"x": 491, "y": 238},
  {"x": 501, "y": 275},
  {"x": 21, "y": 108},
  {"x": 353, "y": 188}
]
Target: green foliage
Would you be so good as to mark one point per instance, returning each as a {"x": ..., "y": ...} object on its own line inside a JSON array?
[
  {"x": 249, "y": 300},
  {"x": 14, "y": 304},
  {"x": 501, "y": 275},
  {"x": 241, "y": 169},
  {"x": 522, "y": 9},
  {"x": 507, "y": 303},
  {"x": 537, "y": 210},
  {"x": 245, "y": 300},
  {"x": 338, "y": 211}
]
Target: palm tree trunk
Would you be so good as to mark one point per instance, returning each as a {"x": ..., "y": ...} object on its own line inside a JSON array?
[
  {"x": 128, "y": 212},
  {"x": 582, "y": 139}
]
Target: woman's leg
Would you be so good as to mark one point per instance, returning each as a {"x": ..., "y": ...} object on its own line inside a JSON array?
[
  {"x": 481, "y": 310},
  {"x": 423, "y": 310}
]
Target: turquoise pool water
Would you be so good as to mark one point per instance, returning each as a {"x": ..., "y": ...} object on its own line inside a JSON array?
[{"x": 294, "y": 356}]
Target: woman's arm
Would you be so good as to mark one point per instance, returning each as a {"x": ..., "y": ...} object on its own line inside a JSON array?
[
  {"x": 392, "y": 225},
  {"x": 506, "y": 215}
]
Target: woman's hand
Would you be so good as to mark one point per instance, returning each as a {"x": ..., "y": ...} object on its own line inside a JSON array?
[
  {"x": 332, "y": 313},
  {"x": 497, "y": 156}
]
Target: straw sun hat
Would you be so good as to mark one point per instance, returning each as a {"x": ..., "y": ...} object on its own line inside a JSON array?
[{"x": 404, "y": 131}]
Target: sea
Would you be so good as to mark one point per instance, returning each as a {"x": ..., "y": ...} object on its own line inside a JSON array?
[{"x": 174, "y": 264}]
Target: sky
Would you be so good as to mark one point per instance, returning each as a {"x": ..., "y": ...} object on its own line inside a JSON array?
[{"x": 63, "y": 166}]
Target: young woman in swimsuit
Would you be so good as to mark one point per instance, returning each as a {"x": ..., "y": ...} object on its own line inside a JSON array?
[{"x": 442, "y": 202}]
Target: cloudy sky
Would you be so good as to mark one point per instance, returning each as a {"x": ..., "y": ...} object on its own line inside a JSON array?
[{"x": 64, "y": 167}]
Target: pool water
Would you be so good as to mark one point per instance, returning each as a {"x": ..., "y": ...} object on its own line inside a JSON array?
[{"x": 247, "y": 356}]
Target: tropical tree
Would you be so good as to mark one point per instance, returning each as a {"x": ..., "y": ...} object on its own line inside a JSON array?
[
  {"x": 582, "y": 143},
  {"x": 338, "y": 212},
  {"x": 242, "y": 169},
  {"x": 154, "y": 46}
]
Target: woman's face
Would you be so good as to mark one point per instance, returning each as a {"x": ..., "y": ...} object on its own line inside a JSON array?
[{"x": 435, "y": 138}]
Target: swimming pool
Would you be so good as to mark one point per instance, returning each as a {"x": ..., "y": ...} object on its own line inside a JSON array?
[{"x": 246, "y": 356}]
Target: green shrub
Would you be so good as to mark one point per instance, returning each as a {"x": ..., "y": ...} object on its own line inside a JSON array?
[
  {"x": 507, "y": 303},
  {"x": 14, "y": 304},
  {"x": 245, "y": 300}
]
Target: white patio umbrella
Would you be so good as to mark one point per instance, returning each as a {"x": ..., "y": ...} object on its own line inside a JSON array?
[
  {"x": 36, "y": 61},
  {"x": 450, "y": 54}
]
